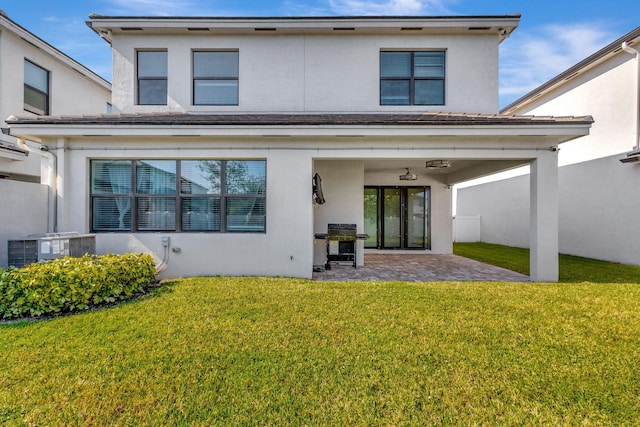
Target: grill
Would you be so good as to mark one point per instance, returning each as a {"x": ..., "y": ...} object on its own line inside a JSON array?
[{"x": 341, "y": 243}]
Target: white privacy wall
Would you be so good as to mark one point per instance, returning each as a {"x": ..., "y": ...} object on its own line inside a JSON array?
[
  {"x": 599, "y": 210},
  {"x": 503, "y": 219}
]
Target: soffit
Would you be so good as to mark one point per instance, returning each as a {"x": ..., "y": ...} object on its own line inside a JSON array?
[{"x": 501, "y": 25}]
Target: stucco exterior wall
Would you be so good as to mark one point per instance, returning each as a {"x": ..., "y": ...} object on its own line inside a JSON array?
[
  {"x": 312, "y": 73},
  {"x": 285, "y": 249},
  {"x": 606, "y": 92},
  {"x": 504, "y": 219},
  {"x": 343, "y": 188},
  {"x": 27, "y": 214},
  {"x": 69, "y": 92},
  {"x": 598, "y": 210}
]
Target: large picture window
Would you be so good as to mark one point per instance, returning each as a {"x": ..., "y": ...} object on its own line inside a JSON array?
[
  {"x": 152, "y": 69},
  {"x": 36, "y": 88},
  {"x": 215, "y": 78},
  {"x": 178, "y": 195},
  {"x": 412, "y": 77}
]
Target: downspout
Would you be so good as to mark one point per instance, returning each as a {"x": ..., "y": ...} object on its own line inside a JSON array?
[
  {"x": 52, "y": 204},
  {"x": 635, "y": 52}
]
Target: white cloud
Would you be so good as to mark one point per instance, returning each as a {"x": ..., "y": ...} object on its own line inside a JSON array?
[
  {"x": 528, "y": 60},
  {"x": 389, "y": 7},
  {"x": 157, "y": 7}
]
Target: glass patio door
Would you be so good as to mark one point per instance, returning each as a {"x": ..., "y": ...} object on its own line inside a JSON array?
[
  {"x": 392, "y": 218},
  {"x": 396, "y": 217}
]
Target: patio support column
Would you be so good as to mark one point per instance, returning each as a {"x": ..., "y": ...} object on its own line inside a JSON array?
[{"x": 544, "y": 218}]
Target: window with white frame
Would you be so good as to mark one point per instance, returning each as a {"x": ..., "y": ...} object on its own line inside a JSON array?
[
  {"x": 215, "y": 77},
  {"x": 412, "y": 77},
  {"x": 152, "y": 70},
  {"x": 178, "y": 195},
  {"x": 36, "y": 88}
]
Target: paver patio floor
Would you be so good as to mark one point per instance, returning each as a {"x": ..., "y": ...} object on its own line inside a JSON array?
[{"x": 419, "y": 268}]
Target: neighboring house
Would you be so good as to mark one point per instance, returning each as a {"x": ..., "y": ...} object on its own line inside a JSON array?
[
  {"x": 36, "y": 79},
  {"x": 599, "y": 209},
  {"x": 250, "y": 109}
]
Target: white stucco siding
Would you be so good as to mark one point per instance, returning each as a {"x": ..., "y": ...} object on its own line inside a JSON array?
[
  {"x": 312, "y": 73},
  {"x": 598, "y": 210},
  {"x": 285, "y": 249},
  {"x": 503, "y": 220},
  {"x": 343, "y": 188},
  {"x": 608, "y": 93},
  {"x": 70, "y": 92}
]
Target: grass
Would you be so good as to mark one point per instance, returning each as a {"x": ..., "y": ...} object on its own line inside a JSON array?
[
  {"x": 257, "y": 351},
  {"x": 572, "y": 268}
]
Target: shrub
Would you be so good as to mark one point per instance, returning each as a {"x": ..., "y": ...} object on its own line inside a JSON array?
[{"x": 72, "y": 284}]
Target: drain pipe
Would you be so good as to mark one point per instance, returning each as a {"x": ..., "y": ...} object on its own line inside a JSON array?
[
  {"x": 44, "y": 152},
  {"x": 636, "y": 53}
]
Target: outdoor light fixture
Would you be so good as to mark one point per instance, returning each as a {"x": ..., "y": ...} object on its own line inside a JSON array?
[
  {"x": 438, "y": 164},
  {"x": 408, "y": 176}
]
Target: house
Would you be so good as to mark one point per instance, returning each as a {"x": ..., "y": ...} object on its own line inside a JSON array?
[
  {"x": 36, "y": 79},
  {"x": 599, "y": 174},
  {"x": 390, "y": 112}
]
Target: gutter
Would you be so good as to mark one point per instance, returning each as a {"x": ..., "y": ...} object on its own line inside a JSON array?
[
  {"x": 634, "y": 155},
  {"x": 52, "y": 223}
]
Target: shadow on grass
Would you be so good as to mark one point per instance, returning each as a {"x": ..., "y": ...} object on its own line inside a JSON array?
[
  {"x": 153, "y": 291},
  {"x": 573, "y": 269}
]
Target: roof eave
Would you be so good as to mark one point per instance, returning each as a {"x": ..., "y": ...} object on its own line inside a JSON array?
[{"x": 501, "y": 25}]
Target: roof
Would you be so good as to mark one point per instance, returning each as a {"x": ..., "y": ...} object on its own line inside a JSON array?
[
  {"x": 587, "y": 63},
  {"x": 318, "y": 119},
  {"x": 500, "y": 25},
  {"x": 28, "y": 36}
]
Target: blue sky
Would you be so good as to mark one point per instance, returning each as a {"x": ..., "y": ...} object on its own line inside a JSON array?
[{"x": 553, "y": 34}]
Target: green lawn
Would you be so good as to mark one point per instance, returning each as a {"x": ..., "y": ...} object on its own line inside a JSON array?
[
  {"x": 255, "y": 351},
  {"x": 572, "y": 268}
]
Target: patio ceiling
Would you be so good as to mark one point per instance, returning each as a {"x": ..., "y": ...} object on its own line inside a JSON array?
[{"x": 450, "y": 175}]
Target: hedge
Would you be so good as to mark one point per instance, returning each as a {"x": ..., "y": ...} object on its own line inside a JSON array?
[{"x": 72, "y": 284}]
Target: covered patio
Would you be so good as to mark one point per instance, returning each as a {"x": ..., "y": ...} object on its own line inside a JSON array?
[{"x": 420, "y": 267}]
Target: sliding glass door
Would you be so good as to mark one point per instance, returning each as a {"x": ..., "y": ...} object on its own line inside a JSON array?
[{"x": 397, "y": 217}]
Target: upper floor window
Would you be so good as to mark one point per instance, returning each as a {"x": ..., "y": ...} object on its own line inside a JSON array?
[
  {"x": 412, "y": 77},
  {"x": 152, "y": 77},
  {"x": 215, "y": 77},
  {"x": 36, "y": 88},
  {"x": 178, "y": 195}
]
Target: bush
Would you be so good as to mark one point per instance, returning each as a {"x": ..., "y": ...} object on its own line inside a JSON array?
[{"x": 71, "y": 284}]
